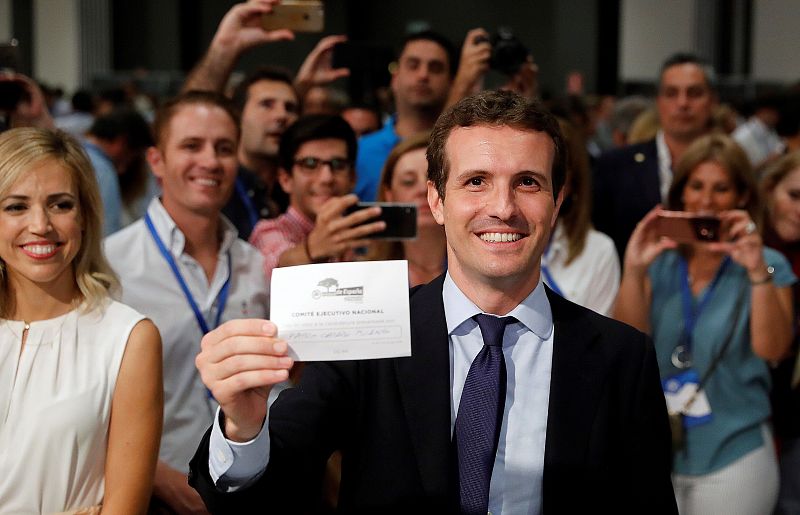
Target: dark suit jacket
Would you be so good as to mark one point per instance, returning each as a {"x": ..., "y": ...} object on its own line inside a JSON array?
[
  {"x": 607, "y": 445},
  {"x": 625, "y": 186}
]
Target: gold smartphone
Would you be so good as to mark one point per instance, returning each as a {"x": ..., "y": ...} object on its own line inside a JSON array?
[{"x": 296, "y": 15}]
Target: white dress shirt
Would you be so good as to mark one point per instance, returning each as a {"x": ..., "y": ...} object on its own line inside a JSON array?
[
  {"x": 516, "y": 485},
  {"x": 664, "y": 166},
  {"x": 149, "y": 286},
  {"x": 758, "y": 141},
  {"x": 592, "y": 278}
]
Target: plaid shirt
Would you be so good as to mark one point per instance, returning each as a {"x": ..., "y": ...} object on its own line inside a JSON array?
[{"x": 275, "y": 236}]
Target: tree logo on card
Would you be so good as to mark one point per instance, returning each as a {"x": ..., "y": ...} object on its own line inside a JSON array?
[{"x": 332, "y": 289}]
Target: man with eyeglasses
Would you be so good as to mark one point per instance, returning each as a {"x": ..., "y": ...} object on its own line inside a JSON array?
[{"x": 316, "y": 171}]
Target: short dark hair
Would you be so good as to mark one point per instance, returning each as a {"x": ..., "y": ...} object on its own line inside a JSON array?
[
  {"x": 313, "y": 127},
  {"x": 168, "y": 110},
  {"x": 495, "y": 109},
  {"x": 439, "y": 39},
  {"x": 82, "y": 101},
  {"x": 270, "y": 73},
  {"x": 123, "y": 121},
  {"x": 687, "y": 58}
]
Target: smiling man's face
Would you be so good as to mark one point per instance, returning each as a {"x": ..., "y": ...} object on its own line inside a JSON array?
[
  {"x": 196, "y": 163},
  {"x": 499, "y": 208}
]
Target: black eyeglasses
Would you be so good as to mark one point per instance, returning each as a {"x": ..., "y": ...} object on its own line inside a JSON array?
[{"x": 314, "y": 164}]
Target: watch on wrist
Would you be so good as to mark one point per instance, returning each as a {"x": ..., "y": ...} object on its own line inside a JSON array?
[{"x": 770, "y": 270}]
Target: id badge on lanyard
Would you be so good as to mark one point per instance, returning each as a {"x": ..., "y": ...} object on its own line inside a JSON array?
[
  {"x": 222, "y": 296},
  {"x": 681, "y": 390}
]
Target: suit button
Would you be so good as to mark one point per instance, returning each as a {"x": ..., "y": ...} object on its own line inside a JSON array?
[{"x": 638, "y": 157}]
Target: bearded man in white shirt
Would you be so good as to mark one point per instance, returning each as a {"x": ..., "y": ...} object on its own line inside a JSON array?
[{"x": 183, "y": 265}]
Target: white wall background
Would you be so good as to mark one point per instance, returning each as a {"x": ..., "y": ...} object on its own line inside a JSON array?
[
  {"x": 776, "y": 40},
  {"x": 5, "y": 20},
  {"x": 651, "y": 31},
  {"x": 56, "y": 42}
]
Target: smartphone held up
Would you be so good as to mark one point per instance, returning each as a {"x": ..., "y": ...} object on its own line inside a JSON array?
[
  {"x": 686, "y": 227},
  {"x": 296, "y": 15},
  {"x": 400, "y": 218}
]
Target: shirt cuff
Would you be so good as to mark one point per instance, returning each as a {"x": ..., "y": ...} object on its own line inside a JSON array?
[{"x": 234, "y": 465}]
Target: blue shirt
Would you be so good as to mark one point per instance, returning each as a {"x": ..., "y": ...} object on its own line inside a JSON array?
[
  {"x": 373, "y": 149},
  {"x": 516, "y": 485},
  {"x": 738, "y": 389},
  {"x": 108, "y": 182}
]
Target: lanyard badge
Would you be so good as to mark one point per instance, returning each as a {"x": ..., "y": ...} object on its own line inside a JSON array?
[
  {"x": 222, "y": 296},
  {"x": 682, "y": 354}
]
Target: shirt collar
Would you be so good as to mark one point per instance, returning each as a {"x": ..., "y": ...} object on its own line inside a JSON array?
[
  {"x": 174, "y": 238},
  {"x": 664, "y": 165},
  {"x": 533, "y": 312}
]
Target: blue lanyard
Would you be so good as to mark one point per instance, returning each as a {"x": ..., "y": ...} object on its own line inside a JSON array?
[
  {"x": 691, "y": 313},
  {"x": 222, "y": 297},
  {"x": 548, "y": 277},
  {"x": 247, "y": 202}
]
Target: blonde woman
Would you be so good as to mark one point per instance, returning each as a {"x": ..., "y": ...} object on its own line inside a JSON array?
[
  {"x": 404, "y": 179},
  {"x": 80, "y": 374}
]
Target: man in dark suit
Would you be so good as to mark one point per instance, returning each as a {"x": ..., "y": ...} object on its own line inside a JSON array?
[
  {"x": 550, "y": 408},
  {"x": 630, "y": 181}
]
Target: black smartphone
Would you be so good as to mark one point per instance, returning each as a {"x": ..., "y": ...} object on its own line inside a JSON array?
[
  {"x": 401, "y": 220},
  {"x": 685, "y": 227}
]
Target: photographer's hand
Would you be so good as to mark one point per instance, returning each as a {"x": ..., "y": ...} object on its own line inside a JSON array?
[
  {"x": 474, "y": 63},
  {"x": 239, "y": 31},
  {"x": 31, "y": 111},
  {"x": 317, "y": 68},
  {"x": 335, "y": 232},
  {"x": 526, "y": 81}
]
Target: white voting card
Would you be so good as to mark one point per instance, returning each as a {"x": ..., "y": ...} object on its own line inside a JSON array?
[{"x": 342, "y": 311}]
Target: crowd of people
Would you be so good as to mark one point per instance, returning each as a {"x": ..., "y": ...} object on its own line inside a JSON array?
[{"x": 133, "y": 230}]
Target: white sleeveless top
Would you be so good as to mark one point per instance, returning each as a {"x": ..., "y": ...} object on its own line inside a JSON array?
[{"x": 55, "y": 407}]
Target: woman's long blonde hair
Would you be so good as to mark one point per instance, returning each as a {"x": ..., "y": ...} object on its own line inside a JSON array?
[{"x": 25, "y": 148}]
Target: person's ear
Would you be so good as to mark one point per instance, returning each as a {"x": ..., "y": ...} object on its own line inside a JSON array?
[
  {"x": 155, "y": 158},
  {"x": 436, "y": 203},
  {"x": 286, "y": 180}
]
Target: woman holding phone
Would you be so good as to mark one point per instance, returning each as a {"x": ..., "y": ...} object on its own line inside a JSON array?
[
  {"x": 717, "y": 312},
  {"x": 80, "y": 374},
  {"x": 405, "y": 179}
]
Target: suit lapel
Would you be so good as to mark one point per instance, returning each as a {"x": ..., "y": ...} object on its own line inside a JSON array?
[
  {"x": 575, "y": 387},
  {"x": 424, "y": 383}
]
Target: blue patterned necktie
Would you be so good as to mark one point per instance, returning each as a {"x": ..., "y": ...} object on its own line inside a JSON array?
[{"x": 480, "y": 414}]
